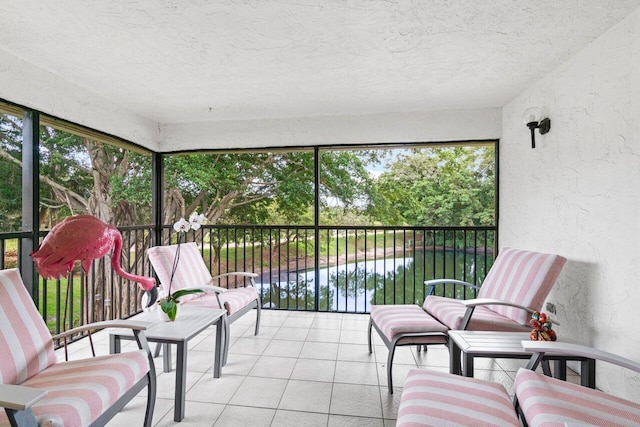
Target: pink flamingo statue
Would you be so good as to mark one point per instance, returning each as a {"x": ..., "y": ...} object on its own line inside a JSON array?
[{"x": 85, "y": 238}]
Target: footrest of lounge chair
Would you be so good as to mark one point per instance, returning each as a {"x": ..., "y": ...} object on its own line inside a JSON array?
[
  {"x": 392, "y": 320},
  {"x": 432, "y": 398}
]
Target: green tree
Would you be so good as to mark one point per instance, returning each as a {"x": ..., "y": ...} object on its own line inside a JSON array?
[
  {"x": 452, "y": 186},
  {"x": 78, "y": 175},
  {"x": 259, "y": 187},
  {"x": 272, "y": 188},
  {"x": 10, "y": 173}
]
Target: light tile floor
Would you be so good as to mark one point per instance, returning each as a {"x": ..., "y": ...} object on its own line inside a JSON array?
[{"x": 303, "y": 369}]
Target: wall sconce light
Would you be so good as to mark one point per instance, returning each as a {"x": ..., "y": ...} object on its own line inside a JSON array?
[{"x": 532, "y": 117}]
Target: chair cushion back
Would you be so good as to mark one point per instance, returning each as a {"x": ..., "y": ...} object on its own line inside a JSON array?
[
  {"x": 550, "y": 401},
  {"x": 521, "y": 277},
  {"x": 191, "y": 270},
  {"x": 26, "y": 347}
]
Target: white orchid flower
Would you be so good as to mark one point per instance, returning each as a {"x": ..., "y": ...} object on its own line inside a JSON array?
[
  {"x": 181, "y": 226},
  {"x": 196, "y": 220}
]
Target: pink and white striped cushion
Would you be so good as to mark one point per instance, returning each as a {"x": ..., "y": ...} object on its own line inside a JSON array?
[
  {"x": 451, "y": 312},
  {"x": 26, "y": 347},
  {"x": 191, "y": 271},
  {"x": 396, "y": 319},
  {"x": 522, "y": 277},
  {"x": 233, "y": 299},
  {"x": 431, "y": 398},
  {"x": 80, "y": 391},
  {"x": 548, "y": 401}
]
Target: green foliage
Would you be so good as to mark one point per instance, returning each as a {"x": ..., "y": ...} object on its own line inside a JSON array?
[
  {"x": 263, "y": 187},
  {"x": 297, "y": 295},
  {"x": 452, "y": 186},
  {"x": 64, "y": 160},
  {"x": 170, "y": 304},
  {"x": 78, "y": 175},
  {"x": 10, "y": 173},
  {"x": 421, "y": 186}
]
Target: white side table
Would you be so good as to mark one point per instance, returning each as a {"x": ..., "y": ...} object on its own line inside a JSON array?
[
  {"x": 187, "y": 325},
  {"x": 464, "y": 346}
]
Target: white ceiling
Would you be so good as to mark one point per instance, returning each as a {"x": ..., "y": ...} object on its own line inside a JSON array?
[{"x": 183, "y": 61}]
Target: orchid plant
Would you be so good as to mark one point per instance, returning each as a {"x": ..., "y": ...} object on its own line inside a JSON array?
[{"x": 169, "y": 304}]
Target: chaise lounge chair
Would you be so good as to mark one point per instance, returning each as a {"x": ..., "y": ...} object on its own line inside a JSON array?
[
  {"x": 436, "y": 398},
  {"x": 516, "y": 286},
  {"x": 192, "y": 272}
]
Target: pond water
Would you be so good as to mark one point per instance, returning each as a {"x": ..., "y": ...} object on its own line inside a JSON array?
[
  {"x": 342, "y": 287},
  {"x": 354, "y": 287}
]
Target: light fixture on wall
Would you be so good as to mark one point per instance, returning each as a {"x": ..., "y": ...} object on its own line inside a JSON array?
[{"x": 533, "y": 118}]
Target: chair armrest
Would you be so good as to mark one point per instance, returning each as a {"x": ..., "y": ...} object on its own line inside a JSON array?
[
  {"x": 471, "y": 305},
  {"x": 127, "y": 324},
  {"x": 18, "y": 397},
  {"x": 432, "y": 284},
  {"x": 491, "y": 301},
  {"x": 251, "y": 276},
  {"x": 559, "y": 348},
  {"x": 236, "y": 273},
  {"x": 211, "y": 289},
  {"x": 135, "y": 325}
]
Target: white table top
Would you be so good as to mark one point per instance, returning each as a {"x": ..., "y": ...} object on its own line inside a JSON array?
[
  {"x": 189, "y": 323},
  {"x": 490, "y": 342}
]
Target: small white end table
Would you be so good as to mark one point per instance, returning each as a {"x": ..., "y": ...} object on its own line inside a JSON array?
[
  {"x": 187, "y": 325},
  {"x": 464, "y": 346}
]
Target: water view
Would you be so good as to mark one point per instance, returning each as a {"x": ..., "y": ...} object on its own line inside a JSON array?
[{"x": 354, "y": 287}]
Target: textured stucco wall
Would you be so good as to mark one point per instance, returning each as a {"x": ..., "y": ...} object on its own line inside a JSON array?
[
  {"x": 28, "y": 85},
  {"x": 448, "y": 125},
  {"x": 33, "y": 87},
  {"x": 578, "y": 192}
]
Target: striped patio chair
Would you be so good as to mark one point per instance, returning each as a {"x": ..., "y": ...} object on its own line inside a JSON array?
[
  {"x": 517, "y": 285},
  {"x": 432, "y": 398},
  {"x": 544, "y": 401},
  {"x": 192, "y": 272},
  {"x": 35, "y": 389}
]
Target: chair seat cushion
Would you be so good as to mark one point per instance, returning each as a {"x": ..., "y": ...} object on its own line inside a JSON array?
[
  {"x": 451, "y": 312},
  {"x": 404, "y": 318},
  {"x": 432, "y": 398},
  {"x": 549, "y": 401},
  {"x": 233, "y": 300},
  {"x": 80, "y": 391}
]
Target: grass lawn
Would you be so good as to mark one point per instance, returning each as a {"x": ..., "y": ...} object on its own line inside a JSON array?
[{"x": 52, "y": 295}]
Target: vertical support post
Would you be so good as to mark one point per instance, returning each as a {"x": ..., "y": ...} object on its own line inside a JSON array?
[
  {"x": 316, "y": 223},
  {"x": 30, "y": 199},
  {"x": 157, "y": 180},
  {"x": 496, "y": 186}
]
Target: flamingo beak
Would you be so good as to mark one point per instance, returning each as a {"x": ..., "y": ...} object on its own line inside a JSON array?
[{"x": 149, "y": 298}]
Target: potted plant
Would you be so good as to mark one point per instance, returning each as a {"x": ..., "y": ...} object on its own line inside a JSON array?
[{"x": 169, "y": 304}]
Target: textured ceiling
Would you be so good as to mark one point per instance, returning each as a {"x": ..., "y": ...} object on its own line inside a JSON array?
[{"x": 177, "y": 61}]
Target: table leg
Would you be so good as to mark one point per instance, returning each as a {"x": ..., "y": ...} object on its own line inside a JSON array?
[
  {"x": 218, "y": 352},
  {"x": 560, "y": 369},
  {"x": 454, "y": 358},
  {"x": 588, "y": 373},
  {"x": 467, "y": 365},
  {"x": 166, "y": 357},
  {"x": 227, "y": 338},
  {"x": 114, "y": 344},
  {"x": 181, "y": 381}
]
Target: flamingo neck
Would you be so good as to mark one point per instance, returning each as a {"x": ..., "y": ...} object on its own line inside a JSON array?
[{"x": 146, "y": 283}]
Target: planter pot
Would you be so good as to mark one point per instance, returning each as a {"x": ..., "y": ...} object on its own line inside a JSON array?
[{"x": 163, "y": 316}]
